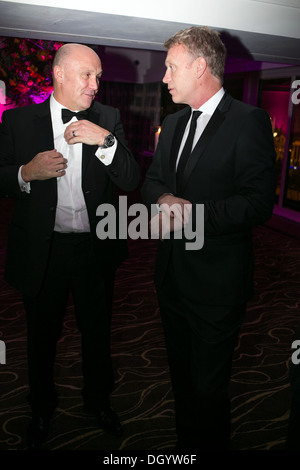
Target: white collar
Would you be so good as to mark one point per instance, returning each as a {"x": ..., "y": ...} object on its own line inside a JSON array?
[{"x": 210, "y": 106}]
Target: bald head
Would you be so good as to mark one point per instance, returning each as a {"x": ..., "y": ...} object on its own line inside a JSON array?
[
  {"x": 76, "y": 73},
  {"x": 65, "y": 52}
]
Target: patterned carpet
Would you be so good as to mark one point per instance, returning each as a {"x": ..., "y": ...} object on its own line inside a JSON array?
[{"x": 142, "y": 396}]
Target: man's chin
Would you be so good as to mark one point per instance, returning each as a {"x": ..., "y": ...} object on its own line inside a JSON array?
[
  {"x": 174, "y": 99},
  {"x": 88, "y": 100}
]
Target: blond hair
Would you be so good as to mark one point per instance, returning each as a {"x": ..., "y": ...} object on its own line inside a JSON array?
[{"x": 200, "y": 41}]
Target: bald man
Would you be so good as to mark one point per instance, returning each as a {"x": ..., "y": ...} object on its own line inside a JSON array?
[{"x": 60, "y": 166}]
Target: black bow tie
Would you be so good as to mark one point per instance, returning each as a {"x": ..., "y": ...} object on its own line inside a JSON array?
[{"x": 67, "y": 115}]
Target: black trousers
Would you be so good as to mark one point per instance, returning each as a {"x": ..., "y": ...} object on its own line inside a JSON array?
[
  {"x": 200, "y": 341},
  {"x": 72, "y": 269}
]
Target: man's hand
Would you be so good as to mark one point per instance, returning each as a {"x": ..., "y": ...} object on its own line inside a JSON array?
[
  {"x": 175, "y": 207},
  {"x": 45, "y": 165},
  {"x": 85, "y": 132},
  {"x": 174, "y": 215}
]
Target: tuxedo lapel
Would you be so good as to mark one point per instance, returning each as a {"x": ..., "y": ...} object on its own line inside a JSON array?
[
  {"x": 206, "y": 137},
  {"x": 45, "y": 141},
  {"x": 43, "y": 126},
  {"x": 178, "y": 135},
  {"x": 89, "y": 150},
  {"x": 176, "y": 141}
]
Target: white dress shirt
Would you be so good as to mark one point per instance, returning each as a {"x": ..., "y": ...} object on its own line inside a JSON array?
[
  {"x": 207, "y": 110},
  {"x": 71, "y": 211}
]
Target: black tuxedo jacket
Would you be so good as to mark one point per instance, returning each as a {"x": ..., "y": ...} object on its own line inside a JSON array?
[
  {"x": 24, "y": 133},
  {"x": 230, "y": 171}
]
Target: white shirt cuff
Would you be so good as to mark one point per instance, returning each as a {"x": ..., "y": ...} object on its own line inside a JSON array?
[
  {"x": 25, "y": 187},
  {"x": 106, "y": 156}
]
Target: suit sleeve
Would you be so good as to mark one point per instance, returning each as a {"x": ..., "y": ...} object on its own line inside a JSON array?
[
  {"x": 254, "y": 180},
  {"x": 155, "y": 183},
  {"x": 124, "y": 170}
]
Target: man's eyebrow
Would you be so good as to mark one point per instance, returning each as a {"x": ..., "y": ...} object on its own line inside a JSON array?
[{"x": 87, "y": 70}]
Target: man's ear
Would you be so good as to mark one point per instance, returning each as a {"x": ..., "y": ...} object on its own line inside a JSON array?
[
  {"x": 201, "y": 66},
  {"x": 58, "y": 73}
]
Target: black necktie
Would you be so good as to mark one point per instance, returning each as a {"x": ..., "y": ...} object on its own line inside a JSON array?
[
  {"x": 187, "y": 149},
  {"x": 67, "y": 115}
]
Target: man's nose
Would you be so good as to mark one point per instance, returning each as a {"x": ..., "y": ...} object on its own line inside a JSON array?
[
  {"x": 166, "y": 77},
  {"x": 93, "y": 83}
]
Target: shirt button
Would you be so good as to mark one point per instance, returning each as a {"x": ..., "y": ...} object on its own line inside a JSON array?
[{"x": 102, "y": 157}]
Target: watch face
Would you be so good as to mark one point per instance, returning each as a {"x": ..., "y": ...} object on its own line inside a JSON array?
[{"x": 109, "y": 140}]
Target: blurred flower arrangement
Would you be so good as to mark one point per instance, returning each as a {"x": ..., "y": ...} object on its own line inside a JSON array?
[{"x": 26, "y": 69}]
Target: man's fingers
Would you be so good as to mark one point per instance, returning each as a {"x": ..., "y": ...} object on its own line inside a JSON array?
[
  {"x": 162, "y": 224},
  {"x": 44, "y": 165},
  {"x": 60, "y": 161},
  {"x": 85, "y": 132},
  {"x": 179, "y": 210}
]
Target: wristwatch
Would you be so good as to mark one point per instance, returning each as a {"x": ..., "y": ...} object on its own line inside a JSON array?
[{"x": 108, "y": 141}]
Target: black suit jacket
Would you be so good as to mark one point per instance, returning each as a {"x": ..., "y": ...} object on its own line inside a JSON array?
[
  {"x": 24, "y": 133},
  {"x": 230, "y": 171}
]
